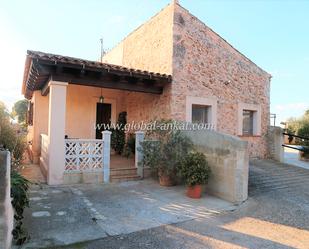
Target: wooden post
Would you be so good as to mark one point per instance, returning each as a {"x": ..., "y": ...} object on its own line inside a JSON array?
[
  {"x": 106, "y": 155},
  {"x": 139, "y": 137}
]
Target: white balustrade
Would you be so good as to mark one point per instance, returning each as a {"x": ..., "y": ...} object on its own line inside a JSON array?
[{"x": 83, "y": 155}]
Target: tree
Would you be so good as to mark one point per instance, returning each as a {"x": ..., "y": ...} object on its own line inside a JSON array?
[
  {"x": 4, "y": 113},
  {"x": 20, "y": 111},
  {"x": 9, "y": 138},
  {"x": 300, "y": 126}
]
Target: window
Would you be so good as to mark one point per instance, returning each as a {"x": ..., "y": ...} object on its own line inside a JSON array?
[
  {"x": 202, "y": 110},
  {"x": 247, "y": 127},
  {"x": 249, "y": 119},
  {"x": 30, "y": 114},
  {"x": 200, "y": 114}
]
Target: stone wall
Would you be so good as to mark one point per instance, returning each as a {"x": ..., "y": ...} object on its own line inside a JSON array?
[
  {"x": 149, "y": 47},
  {"x": 205, "y": 65},
  {"x": 275, "y": 141},
  {"x": 229, "y": 162},
  {"x": 6, "y": 210}
]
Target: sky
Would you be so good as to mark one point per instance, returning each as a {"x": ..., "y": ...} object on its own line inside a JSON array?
[{"x": 274, "y": 34}]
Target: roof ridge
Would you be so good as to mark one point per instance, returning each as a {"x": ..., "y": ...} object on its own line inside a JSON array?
[{"x": 223, "y": 39}]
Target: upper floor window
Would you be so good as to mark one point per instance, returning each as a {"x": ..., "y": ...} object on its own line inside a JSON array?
[
  {"x": 202, "y": 110},
  {"x": 247, "y": 127},
  {"x": 200, "y": 114},
  {"x": 249, "y": 119}
]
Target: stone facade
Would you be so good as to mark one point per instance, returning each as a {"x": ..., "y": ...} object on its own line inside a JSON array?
[
  {"x": 202, "y": 65},
  {"x": 149, "y": 47}
]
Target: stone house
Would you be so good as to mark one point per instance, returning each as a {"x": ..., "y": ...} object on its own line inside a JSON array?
[{"x": 172, "y": 67}]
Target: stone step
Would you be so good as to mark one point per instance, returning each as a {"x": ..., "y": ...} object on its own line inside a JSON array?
[
  {"x": 285, "y": 188},
  {"x": 123, "y": 171},
  {"x": 278, "y": 172},
  {"x": 276, "y": 185},
  {"x": 277, "y": 179},
  {"x": 278, "y": 169},
  {"x": 125, "y": 178}
]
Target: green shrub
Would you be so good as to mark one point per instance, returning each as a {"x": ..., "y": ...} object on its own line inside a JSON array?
[
  {"x": 118, "y": 135},
  {"x": 11, "y": 139},
  {"x": 20, "y": 200},
  {"x": 194, "y": 169},
  {"x": 166, "y": 150},
  {"x": 304, "y": 132},
  {"x": 129, "y": 148}
]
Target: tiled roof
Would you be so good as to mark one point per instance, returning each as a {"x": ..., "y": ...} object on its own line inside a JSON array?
[
  {"x": 95, "y": 64},
  {"x": 40, "y": 67}
]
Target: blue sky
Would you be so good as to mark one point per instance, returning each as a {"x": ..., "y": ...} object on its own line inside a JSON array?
[{"x": 273, "y": 34}]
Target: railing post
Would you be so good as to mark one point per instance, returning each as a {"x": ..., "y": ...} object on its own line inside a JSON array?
[
  {"x": 106, "y": 155},
  {"x": 139, "y": 137}
]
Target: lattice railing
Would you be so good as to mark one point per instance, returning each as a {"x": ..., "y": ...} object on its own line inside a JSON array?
[{"x": 83, "y": 155}]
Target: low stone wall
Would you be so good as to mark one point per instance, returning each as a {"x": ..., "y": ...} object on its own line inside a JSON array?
[
  {"x": 275, "y": 141},
  {"x": 83, "y": 177},
  {"x": 228, "y": 158},
  {"x": 6, "y": 210}
]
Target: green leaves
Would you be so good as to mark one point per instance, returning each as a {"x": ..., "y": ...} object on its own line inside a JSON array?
[
  {"x": 20, "y": 200},
  {"x": 194, "y": 169},
  {"x": 118, "y": 135},
  {"x": 166, "y": 150},
  {"x": 20, "y": 111}
]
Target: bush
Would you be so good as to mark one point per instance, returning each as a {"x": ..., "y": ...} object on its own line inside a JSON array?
[
  {"x": 194, "y": 169},
  {"x": 304, "y": 132},
  {"x": 20, "y": 200},
  {"x": 118, "y": 135},
  {"x": 129, "y": 148},
  {"x": 166, "y": 151},
  {"x": 11, "y": 138}
]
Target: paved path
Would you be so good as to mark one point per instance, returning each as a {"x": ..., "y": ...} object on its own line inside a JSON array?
[
  {"x": 266, "y": 176},
  {"x": 275, "y": 216},
  {"x": 291, "y": 157},
  {"x": 70, "y": 214}
]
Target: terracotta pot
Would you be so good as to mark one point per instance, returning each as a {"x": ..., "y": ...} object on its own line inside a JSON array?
[
  {"x": 166, "y": 181},
  {"x": 194, "y": 191}
]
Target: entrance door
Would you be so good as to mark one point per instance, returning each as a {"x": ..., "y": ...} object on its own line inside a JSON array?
[{"x": 104, "y": 112}]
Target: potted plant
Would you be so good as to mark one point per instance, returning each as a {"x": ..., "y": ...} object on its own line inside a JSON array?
[
  {"x": 164, "y": 150},
  {"x": 195, "y": 171}
]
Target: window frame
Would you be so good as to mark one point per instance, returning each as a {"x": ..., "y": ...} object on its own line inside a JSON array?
[
  {"x": 210, "y": 102},
  {"x": 204, "y": 108},
  {"x": 256, "y": 109}
]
